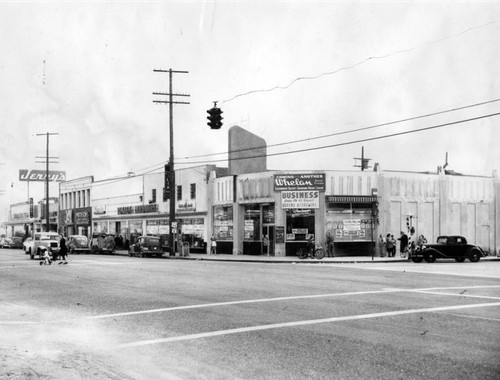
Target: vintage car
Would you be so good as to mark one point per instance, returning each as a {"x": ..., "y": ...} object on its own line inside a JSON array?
[
  {"x": 78, "y": 244},
  {"x": 44, "y": 240},
  {"x": 447, "y": 247},
  {"x": 6, "y": 243},
  {"x": 28, "y": 245},
  {"x": 102, "y": 243},
  {"x": 146, "y": 246},
  {"x": 17, "y": 242}
]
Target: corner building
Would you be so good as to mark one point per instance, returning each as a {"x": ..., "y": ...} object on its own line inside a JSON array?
[{"x": 275, "y": 212}]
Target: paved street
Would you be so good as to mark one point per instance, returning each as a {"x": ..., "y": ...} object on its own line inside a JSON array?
[{"x": 117, "y": 317}]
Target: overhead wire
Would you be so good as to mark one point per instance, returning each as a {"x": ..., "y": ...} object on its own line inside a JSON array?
[{"x": 346, "y": 131}]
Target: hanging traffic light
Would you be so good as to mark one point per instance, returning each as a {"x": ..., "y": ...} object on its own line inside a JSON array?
[{"x": 214, "y": 118}]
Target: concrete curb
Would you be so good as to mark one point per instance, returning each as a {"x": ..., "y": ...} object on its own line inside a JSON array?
[{"x": 290, "y": 259}]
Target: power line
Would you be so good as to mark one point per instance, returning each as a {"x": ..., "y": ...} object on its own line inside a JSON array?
[
  {"x": 349, "y": 67},
  {"x": 349, "y": 131},
  {"x": 355, "y": 141},
  {"x": 153, "y": 169}
]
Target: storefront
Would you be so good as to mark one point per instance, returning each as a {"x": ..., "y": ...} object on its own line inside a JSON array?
[
  {"x": 75, "y": 221},
  {"x": 223, "y": 228},
  {"x": 300, "y": 200},
  {"x": 350, "y": 222}
]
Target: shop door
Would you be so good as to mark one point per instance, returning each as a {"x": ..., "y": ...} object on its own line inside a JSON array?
[{"x": 268, "y": 244}]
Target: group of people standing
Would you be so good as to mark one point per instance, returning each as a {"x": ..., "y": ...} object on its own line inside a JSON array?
[{"x": 406, "y": 243}]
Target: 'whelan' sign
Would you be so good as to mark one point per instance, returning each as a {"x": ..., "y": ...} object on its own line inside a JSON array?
[
  {"x": 41, "y": 175},
  {"x": 294, "y": 182}
]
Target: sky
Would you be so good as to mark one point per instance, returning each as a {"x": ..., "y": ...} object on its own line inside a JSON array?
[{"x": 316, "y": 79}]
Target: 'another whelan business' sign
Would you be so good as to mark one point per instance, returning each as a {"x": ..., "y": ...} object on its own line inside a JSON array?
[
  {"x": 41, "y": 175},
  {"x": 293, "y": 182}
]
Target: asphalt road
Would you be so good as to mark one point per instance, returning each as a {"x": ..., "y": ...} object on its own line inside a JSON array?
[{"x": 116, "y": 317}]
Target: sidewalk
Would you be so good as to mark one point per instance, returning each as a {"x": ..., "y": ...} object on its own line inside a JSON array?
[{"x": 292, "y": 259}]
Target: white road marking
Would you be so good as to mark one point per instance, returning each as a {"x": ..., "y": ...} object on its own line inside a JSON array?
[
  {"x": 428, "y": 269},
  {"x": 240, "y": 302},
  {"x": 301, "y": 323},
  {"x": 471, "y": 316},
  {"x": 455, "y": 294}
]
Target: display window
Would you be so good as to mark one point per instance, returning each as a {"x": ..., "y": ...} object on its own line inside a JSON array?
[
  {"x": 223, "y": 222},
  {"x": 349, "y": 222},
  {"x": 252, "y": 223},
  {"x": 299, "y": 224}
]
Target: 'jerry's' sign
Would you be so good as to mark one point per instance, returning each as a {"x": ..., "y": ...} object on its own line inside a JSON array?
[{"x": 41, "y": 175}]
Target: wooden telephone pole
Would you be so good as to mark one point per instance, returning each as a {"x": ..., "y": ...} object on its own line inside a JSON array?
[{"x": 171, "y": 175}]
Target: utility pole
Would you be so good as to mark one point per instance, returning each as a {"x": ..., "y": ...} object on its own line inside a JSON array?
[
  {"x": 364, "y": 161},
  {"x": 47, "y": 161},
  {"x": 171, "y": 102}
]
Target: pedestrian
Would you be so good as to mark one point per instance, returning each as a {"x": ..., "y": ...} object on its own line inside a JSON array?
[
  {"x": 213, "y": 245},
  {"x": 265, "y": 242},
  {"x": 329, "y": 244},
  {"x": 403, "y": 244},
  {"x": 63, "y": 250},
  {"x": 388, "y": 245},
  {"x": 412, "y": 242},
  {"x": 381, "y": 244},
  {"x": 393, "y": 251}
]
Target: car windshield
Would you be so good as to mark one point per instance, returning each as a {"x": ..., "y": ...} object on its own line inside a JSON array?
[
  {"x": 151, "y": 240},
  {"x": 442, "y": 239},
  {"x": 49, "y": 237}
]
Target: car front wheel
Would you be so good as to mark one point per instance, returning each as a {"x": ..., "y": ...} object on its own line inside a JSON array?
[
  {"x": 460, "y": 259},
  {"x": 417, "y": 259},
  {"x": 429, "y": 257}
]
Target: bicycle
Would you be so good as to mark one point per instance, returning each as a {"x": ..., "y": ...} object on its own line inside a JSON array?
[{"x": 317, "y": 253}]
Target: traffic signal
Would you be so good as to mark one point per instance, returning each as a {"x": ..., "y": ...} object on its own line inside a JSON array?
[
  {"x": 214, "y": 118},
  {"x": 31, "y": 207}
]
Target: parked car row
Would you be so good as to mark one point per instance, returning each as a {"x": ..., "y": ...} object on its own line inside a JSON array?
[{"x": 14, "y": 242}]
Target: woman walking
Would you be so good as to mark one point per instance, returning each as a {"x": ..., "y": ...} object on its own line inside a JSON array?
[{"x": 63, "y": 250}]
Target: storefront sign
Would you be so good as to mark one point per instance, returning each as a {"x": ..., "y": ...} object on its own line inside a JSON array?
[
  {"x": 99, "y": 210},
  {"x": 286, "y": 182},
  {"x": 280, "y": 234},
  {"x": 299, "y": 199},
  {"x": 140, "y": 209},
  {"x": 41, "y": 175},
  {"x": 186, "y": 205},
  {"x": 82, "y": 216}
]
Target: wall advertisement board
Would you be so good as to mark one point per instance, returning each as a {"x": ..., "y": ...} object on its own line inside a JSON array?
[
  {"x": 286, "y": 182},
  {"x": 299, "y": 199}
]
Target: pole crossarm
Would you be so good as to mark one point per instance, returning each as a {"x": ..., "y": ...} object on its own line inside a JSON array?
[
  {"x": 168, "y": 102},
  {"x": 166, "y": 93}
]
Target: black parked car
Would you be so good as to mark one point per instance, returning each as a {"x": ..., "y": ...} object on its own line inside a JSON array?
[
  {"x": 146, "y": 246},
  {"x": 447, "y": 247}
]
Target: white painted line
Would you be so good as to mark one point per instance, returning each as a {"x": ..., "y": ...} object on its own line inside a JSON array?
[
  {"x": 455, "y": 294},
  {"x": 301, "y": 323},
  {"x": 471, "y": 316},
  {"x": 240, "y": 302}
]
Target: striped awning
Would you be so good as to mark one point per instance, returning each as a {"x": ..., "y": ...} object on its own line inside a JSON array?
[{"x": 351, "y": 198}]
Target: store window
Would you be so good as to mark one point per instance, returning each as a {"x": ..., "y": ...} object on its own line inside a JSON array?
[
  {"x": 299, "y": 224},
  {"x": 223, "y": 222},
  {"x": 252, "y": 223}
]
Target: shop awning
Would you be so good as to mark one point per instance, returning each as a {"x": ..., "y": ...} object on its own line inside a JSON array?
[{"x": 351, "y": 199}]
